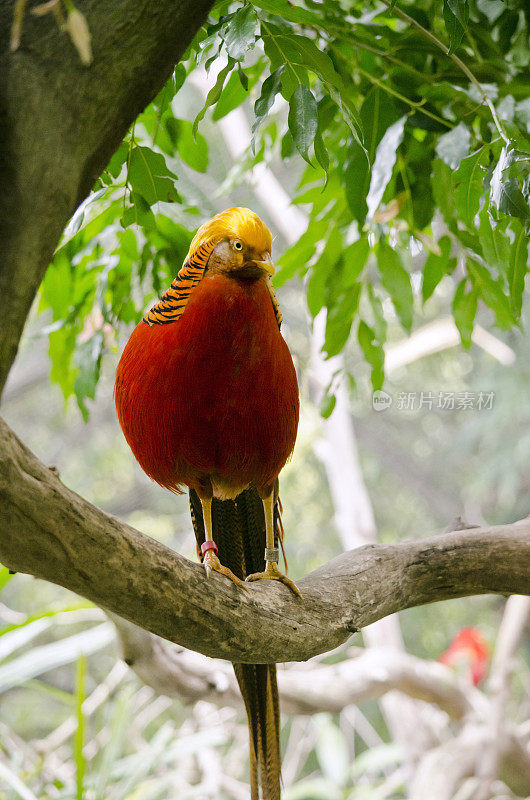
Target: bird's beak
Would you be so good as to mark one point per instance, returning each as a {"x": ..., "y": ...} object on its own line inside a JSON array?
[{"x": 266, "y": 264}]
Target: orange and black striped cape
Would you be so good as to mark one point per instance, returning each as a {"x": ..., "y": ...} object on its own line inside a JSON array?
[{"x": 173, "y": 302}]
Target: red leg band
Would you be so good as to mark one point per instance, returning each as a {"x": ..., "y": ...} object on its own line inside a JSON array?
[{"x": 209, "y": 544}]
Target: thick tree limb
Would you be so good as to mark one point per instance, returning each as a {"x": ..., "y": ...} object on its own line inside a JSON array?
[
  {"x": 61, "y": 121},
  {"x": 52, "y": 533},
  {"x": 305, "y": 689}
]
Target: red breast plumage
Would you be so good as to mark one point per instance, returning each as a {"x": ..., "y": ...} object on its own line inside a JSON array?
[{"x": 215, "y": 392}]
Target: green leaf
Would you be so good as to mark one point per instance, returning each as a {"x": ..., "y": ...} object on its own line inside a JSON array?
[
  {"x": 491, "y": 292},
  {"x": 269, "y": 89},
  {"x": 150, "y": 177},
  {"x": 468, "y": 180},
  {"x": 5, "y": 577},
  {"x": 321, "y": 154},
  {"x": 517, "y": 269},
  {"x": 299, "y": 54},
  {"x": 57, "y": 287},
  {"x": 508, "y": 166},
  {"x": 443, "y": 190},
  {"x": 373, "y": 353},
  {"x": 453, "y": 146},
  {"x": 281, "y": 52},
  {"x": 327, "y": 404},
  {"x": 349, "y": 114},
  {"x": 464, "y": 311},
  {"x": 506, "y": 195},
  {"x": 494, "y": 242},
  {"x": 297, "y": 257},
  {"x": 316, "y": 285},
  {"x": 378, "y": 314},
  {"x": 340, "y": 319},
  {"x": 243, "y": 78},
  {"x": 215, "y": 92},
  {"x": 377, "y": 114},
  {"x": 234, "y": 93},
  {"x": 138, "y": 213},
  {"x": 396, "y": 281},
  {"x": 287, "y": 146},
  {"x": 180, "y": 77},
  {"x": 193, "y": 150},
  {"x": 60, "y": 350},
  {"x": 436, "y": 266},
  {"x": 460, "y": 9},
  {"x": 163, "y": 99},
  {"x": 456, "y": 15},
  {"x": 88, "y": 362},
  {"x": 300, "y": 51},
  {"x": 303, "y": 119},
  {"x": 355, "y": 257},
  {"x": 304, "y": 51},
  {"x": 118, "y": 159},
  {"x": 73, "y": 242},
  {"x": 288, "y": 11},
  {"x": 241, "y": 34}
]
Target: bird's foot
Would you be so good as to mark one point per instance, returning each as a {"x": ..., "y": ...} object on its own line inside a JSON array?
[
  {"x": 211, "y": 562},
  {"x": 272, "y": 573}
]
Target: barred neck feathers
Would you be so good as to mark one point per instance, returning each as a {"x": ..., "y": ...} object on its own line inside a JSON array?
[
  {"x": 239, "y": 223},
  {"x": 173, "y": 302}
]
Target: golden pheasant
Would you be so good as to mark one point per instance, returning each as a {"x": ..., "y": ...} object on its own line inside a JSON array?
[{"x": 207, "y": 397}]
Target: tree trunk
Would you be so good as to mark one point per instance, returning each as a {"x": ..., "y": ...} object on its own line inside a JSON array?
[{"x": 61, "y": 121}]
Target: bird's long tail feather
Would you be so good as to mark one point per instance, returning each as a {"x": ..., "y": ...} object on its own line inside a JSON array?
[{"x": 239, "y": 532}]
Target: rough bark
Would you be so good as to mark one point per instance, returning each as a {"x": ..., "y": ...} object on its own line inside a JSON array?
[
  {"x": 52, "y": 533},
  {"x": 61, "y": 121},
  {"x": 305, "y": 689}
]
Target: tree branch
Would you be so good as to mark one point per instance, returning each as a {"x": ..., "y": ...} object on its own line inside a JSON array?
[
  {"x": 61, "y": 122},
  {"x": 52, "y": 533},
  {"x": 306, "y": 689}
]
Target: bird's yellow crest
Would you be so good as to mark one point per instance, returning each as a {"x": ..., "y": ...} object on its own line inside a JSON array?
[{"x": 237, "y": 223}]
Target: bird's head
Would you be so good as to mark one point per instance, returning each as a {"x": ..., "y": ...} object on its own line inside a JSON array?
[{"x": 241, "y": 244}]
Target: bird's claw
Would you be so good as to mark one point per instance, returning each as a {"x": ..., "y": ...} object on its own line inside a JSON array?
[
  {"x": 272, "y": 573},
  {"x": 212, "y": 563}
]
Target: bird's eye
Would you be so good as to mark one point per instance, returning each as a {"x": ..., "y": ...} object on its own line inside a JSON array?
[{"x": 238, "y": 245}]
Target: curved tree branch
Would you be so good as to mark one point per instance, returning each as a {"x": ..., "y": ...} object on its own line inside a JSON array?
[
  {"x": 61, "y": 121},
  {"x": 306, "y": 689},
  {"x": 52, "y": 533}
]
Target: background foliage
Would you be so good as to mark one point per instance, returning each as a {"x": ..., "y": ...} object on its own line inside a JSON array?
[{"x": 414, "y": 126}]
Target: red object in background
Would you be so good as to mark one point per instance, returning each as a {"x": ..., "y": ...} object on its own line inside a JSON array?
[{"x": 470, "y": 650}]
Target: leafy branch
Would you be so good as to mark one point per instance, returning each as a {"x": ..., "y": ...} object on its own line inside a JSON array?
[{"x": 458, "y": 61}]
